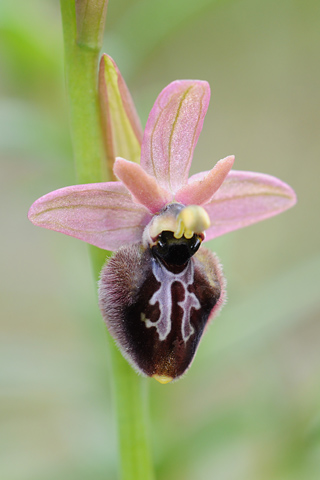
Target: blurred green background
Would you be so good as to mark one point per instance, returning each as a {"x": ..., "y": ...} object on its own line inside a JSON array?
[{"x": 249, "y": 408}]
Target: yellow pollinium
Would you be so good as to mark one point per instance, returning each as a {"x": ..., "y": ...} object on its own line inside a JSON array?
[
  {"x": 162, "y": 378},
  {"x": 192, "y": 219}
]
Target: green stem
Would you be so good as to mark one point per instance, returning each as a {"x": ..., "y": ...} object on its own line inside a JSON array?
[
  {"x": 83, "y": 22},
  {"x": 81, "y": 66},
  {"x": 130, "y": 392}
]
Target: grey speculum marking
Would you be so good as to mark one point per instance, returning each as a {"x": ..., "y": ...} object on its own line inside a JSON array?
[{"x": 164, "y": 297}]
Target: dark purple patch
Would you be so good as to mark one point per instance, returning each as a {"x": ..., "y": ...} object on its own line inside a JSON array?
[{"x": 126, "y": 288}]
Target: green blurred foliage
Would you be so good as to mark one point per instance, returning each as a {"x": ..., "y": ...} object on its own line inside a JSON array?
[{"x": 249, "y": 406}]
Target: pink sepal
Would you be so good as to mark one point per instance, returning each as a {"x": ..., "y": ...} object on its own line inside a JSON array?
[
  {"x": 245, "y": 198},
  {"x": 201, "y": 191},
  {"x": 102, "y": 214},
  {"x": 172, "y": 131}
]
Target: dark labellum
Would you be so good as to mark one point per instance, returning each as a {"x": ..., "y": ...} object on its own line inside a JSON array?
[
  {"x": 157, "y": 302},
  {"x": 175, "y": 252}
]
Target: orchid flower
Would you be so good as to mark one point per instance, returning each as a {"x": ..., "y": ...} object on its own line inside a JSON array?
[{"x": 161, "y": 288}]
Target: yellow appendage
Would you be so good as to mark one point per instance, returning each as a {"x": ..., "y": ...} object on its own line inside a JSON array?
[{"x": 162, "y": 378}]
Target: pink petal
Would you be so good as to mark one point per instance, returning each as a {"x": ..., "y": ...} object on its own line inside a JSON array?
[
  {"x": 102, "y": 214},
  {"x": 245, "y": 198},
  {"x": 142, "y": 186},
  {"x": 172, "y": 131},
  {"x": 201, "y": 191}
]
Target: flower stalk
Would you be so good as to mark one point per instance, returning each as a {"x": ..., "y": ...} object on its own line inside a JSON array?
[{"x": 83, "y": 24}]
